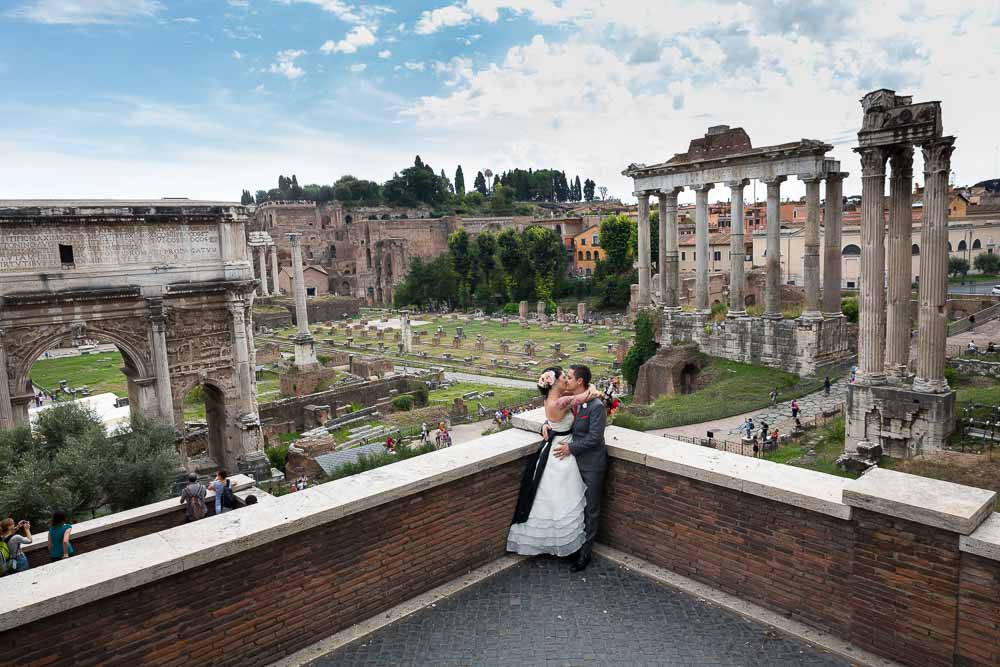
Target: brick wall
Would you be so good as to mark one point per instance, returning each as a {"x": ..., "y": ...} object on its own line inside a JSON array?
[
  {"x": 259, "y": 605},
  {"x": 896, "y": 588}
]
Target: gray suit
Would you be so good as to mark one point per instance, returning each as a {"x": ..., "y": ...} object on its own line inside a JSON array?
[{"x": 592, "y": 459}]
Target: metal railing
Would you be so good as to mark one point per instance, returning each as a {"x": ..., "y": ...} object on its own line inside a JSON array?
[{"x": 983, "y": 316}]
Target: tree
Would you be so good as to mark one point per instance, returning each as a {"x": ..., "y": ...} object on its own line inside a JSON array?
[
  {"x": 486, "y": 267},
  {"x": 654, "y": 238},
  {"x": 547, "y": 259},
  {"x": 849, "y": 307},
  {"x": 261, "y": 196},
  {"x": 604, "y": 192},
  {"x": 459, "y": 182},
  {"x": 616, "y": 236},
  {"x": 461, "y": 262},
  {"x": 480, "y": 184},
  {"x": 958, "y": 266},
  {"x": 448, "y": 186},
  {"x": 642, "y": 351},
  {"x": 510, "y": 252},
  {"x": 588, "y": 190},
  {"x": 350, "y": 190},
  {"x": 428, "y": 284},
  {"x": 577, "y": 190},
  {"x": 246, "y": 198},
  {"x": 988, "y": 263},
  {"x": 502, "y": 201}
]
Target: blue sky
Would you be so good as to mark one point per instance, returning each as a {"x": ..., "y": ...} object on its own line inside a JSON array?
[{"x": 202, "y": 98}]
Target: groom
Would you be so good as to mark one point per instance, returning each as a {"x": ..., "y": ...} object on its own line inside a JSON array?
[{"x": 587, "y": 445}]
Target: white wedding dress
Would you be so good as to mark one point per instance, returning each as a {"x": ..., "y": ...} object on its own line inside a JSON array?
[{"x": 556, "y": 523}]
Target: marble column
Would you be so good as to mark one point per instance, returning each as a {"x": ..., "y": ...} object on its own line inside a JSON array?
[
  {"x": 305, "y": 350},
  {"x": 772, "y": 267},
  {"x": 933, "y": 324},
  {"x": 810, "y": 255},
  {"x": 6, "y": 409},
  {"x": 241, "y": 355},
  {"x": 262, "y": 258},
  {"x": 670, "y": 276},
  {"x": 737, "y": 250},
  {"x": 161, "y": 360},
  {"x": 643, "y": 250},
  {"x": 661, "y": 250},
  {"x": 701, "y": 246},
  {"x": 871, "y": 335},
  {"x": 274, "y": 271},
  {"x": 832, "y": 235},
  {"x": 899, "y": 263}
]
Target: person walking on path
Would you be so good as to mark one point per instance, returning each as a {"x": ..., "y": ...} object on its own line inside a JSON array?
[
  {"x": 774, "y": 396},
  {"x": 826, "y": 385},
  {"x": 59, "y": 532},
  {"x": 17, "y": 561},
  {"x": 193, "y": 498},
  {"x": 795, "y": 408}
]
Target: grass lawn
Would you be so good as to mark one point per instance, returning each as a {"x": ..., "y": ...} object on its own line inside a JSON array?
[
  {"x": 976, "y": 390},
  {"x": 733, "y": 388},
  {"x": 100, "y": 372},
  {"x": 503, "y": 396},
  {"x": 975, "y": 278},
  {"x": 268, "y": 387},
  {"x": 817, "y": 450}
]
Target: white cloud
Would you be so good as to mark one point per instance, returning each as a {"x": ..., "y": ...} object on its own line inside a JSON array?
[
  {"x": 86, "y": 12},
  {"x": 444, "y": 17},
  {"x": 385, "y": 54},
  {"x": 358, "y": 37},
  {"x": 241, "y": 32},
  {"x": 401, "y": 27},
  {"x": 456, "y": 70},
  {"x": 470, "y": 40},
  {"x": 286, "y": 64},
  {"x": 414, "y": 66},
  {"x": 237, "y": 55},
  {"x": 358, "y": 67},
  {"x": 244, "y": 4},
  {"x": 362, "y": 14}
]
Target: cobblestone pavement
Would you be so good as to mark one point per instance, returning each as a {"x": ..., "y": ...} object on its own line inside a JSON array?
[{"x": 538, "y": 613}]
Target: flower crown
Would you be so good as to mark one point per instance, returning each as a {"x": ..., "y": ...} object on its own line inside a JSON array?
[{"x": 546, "y": 380}]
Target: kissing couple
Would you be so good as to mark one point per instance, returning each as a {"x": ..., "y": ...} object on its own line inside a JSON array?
[{"x": 559, "y": 505}]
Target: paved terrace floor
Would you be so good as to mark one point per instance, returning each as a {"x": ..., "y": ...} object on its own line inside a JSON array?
[{"x": 538, "y": 613}]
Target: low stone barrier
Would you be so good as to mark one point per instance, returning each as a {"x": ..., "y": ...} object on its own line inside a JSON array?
[{"x": 976, "y": 367}]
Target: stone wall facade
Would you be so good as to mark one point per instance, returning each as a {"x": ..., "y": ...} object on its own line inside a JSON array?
[
  {"x": 976, "y": 367},
  {"x": 902, "y": 421},
  {"x": 800, "y": 346}
]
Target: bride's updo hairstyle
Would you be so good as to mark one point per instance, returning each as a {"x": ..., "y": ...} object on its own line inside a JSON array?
[{"x": 548, "y": 378}]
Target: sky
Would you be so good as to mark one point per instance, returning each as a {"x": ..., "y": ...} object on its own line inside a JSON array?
[{"x": 203, "y": 98}]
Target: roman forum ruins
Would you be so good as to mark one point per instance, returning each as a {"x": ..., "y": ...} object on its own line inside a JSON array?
[
  {"x": 889, "y": 410},
  {"x": 815, "y": 340},
  {"x": 169, "y": 282}
]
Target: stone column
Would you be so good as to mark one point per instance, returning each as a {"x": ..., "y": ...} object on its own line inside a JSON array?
[
  {"x": 406, "y": 331},
  {"x": 772, "y": 267},
  {"x": 581, "y": 312},
  {"x": 6, "y": 409},
  {"x": 737, "y": 251},
  {"x": 540, "y": 311},
  {"x": 832, "y": 233},
  {"x": 701, "y": 246},
  {"x": 262, "y": 257},
  {"x": 241, "y": 356},
  {"x": 274, "y": 271},
  {"x": 305, "y": 350},
  {"x": 871, "y": 336},
  {"x": 161, "y": 360},
  {"x": 899, "y": 263},
  {"x": 643, "y": 250},
  {"x": 933, "y": 324},
  {"x": 810, "y": 255},
  {"x": 670, "y": 278}
]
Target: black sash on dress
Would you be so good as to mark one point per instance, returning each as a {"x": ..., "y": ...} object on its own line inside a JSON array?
[{"x": 532, "y": 477}]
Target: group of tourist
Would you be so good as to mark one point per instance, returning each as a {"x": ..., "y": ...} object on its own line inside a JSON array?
[
  {"x": 14, "y": 536},
  {"x": 763, "y": 432},
  {"x": 194, "y": 494},
  {"x": 972, "y": 348}
]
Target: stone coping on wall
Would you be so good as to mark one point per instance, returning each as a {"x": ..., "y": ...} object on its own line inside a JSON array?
[
  {"x": 803, "y": 488},
  {"x": 111, "y": 521},
  {"x": 76, "y": 581},
  {"x": 985, "y": 540}
]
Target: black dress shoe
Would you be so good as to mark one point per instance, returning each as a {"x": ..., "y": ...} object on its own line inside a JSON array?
[{"x": 580, "y": 565}]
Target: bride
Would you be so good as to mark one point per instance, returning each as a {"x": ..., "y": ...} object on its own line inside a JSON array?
[{"x": 549, "y": 515}]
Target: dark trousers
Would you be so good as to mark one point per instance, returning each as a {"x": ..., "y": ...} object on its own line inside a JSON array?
[{"x": 594, "y": 479}]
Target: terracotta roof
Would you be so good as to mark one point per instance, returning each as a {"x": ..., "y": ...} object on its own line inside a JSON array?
[{"x": 718, "y": 238}]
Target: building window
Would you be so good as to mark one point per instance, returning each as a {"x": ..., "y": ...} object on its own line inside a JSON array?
[
  {"x": 581, "y": 254},
  {"x": 850, "y": 284},
  {"x": 583, "y": 241},
  {"x": 588, "y": 272},
  {"x": 683, "y": 255},
  {"x": 962, "y": 246},
  {"x": 310, "y": 291},
  {"x": 915, "y": 249},
  {"x": 588, "y": 254},
  {"x": 717, "y": 255},
  {"x": 850, "y": 250},
  {"x": 593, "y": 240},
  {"x": 976, "y": 245},
  {"x": 949, "y": 247},
  {"x": 66, "y": 256}
]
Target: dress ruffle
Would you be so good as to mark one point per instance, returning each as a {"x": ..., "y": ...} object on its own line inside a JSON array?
[{"x": 559, "y": 536}]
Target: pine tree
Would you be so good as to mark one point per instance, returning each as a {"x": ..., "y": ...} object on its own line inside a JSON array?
[
  {"x": 588, "y": 189},
  {"x": 480, "y": 183},
  {"x": 577, "y": 190},
  {"x": 459, "y": 182}
]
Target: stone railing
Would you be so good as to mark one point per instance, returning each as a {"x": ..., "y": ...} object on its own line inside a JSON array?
[
  {"x": 976, "y": 367},
  {"x": 904, "y": 567}
]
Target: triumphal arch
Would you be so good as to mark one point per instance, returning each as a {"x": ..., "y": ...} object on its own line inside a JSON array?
[{"x": 169, "y": 282}]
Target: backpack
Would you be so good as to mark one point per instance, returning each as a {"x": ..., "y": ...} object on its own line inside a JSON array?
[
  {"x": 228, "y": 497},
  {"x": 4, "y": 557},
  {"x": 195, "y": 508}
]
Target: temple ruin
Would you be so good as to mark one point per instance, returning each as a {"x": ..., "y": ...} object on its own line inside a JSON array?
[
  {"x": 815, "y": 340},
  {"x": 890, "y": 410},
  {"x": 169, "y": 282}
]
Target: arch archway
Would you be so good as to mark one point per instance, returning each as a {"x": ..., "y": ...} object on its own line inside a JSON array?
[
  {"x": 977, "y": 245},
  {"x": 962, "y": 245},
  {"x": 949, "y": 247},
  {"x": 915, "y": 249},
  {"x": 850, "y": 250}
]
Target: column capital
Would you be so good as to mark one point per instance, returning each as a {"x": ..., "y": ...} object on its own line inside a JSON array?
[
  {"x": 812, "y": 180},
  {"x": 294, "y": 237},
  {"x": 837, "y": 175},
  {"x": 774, "y": 180},
  {"x": 703, "y": 187},
  {"x": 671, "y": 192},
  {"x": 901, "y": 161},
  {"x": 742, "y": 183},
  {"x": 937, "y": 155},
  {"x": 872, "y": 160},
  {"x": 639, "y": 194}
]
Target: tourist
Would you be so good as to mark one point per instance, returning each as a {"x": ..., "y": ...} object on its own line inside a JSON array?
[
  {"x": 972, "y": 322},
  {"x": 971, "y": 347},
  {"x": 59, "y": 532},
  {"x": 774, "y": 396},
  {"x": 424, "y": 433},
  {"x": 763, "y": 430},
  {"x": 390, "y": 444},
  {"x": 798, "y": 424},
  {"x": 497, "y": 418},
  {"x": 222, "y": 492},
  {"x": 193, "y": 499},
  {"x": 774, "y": 436},
  {"x": 991, "y": 348},
  {"x": 826, "y": 385},
  {"x": 795, "y": 408},
  {"x": 442, "y": 435},
  {"x": 748, "y": 427},
  {"x": 17, "y": 561},
  {"x": 854, "y": 373}
]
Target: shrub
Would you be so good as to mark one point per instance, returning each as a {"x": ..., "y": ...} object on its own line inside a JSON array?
[
  {"x": 642, "y": 351},
  {"x": 278, "y": 456},
  {"x": 404, "y": 403},
  {"x": 958, "y": 266},
  {"x": 849, "y": 307},
  {"x": 719, "y": 311},
  {"x": 510, "y": 308},
  {"x": 951, "y": 375},
  {"x": 988, "y": 264}
]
